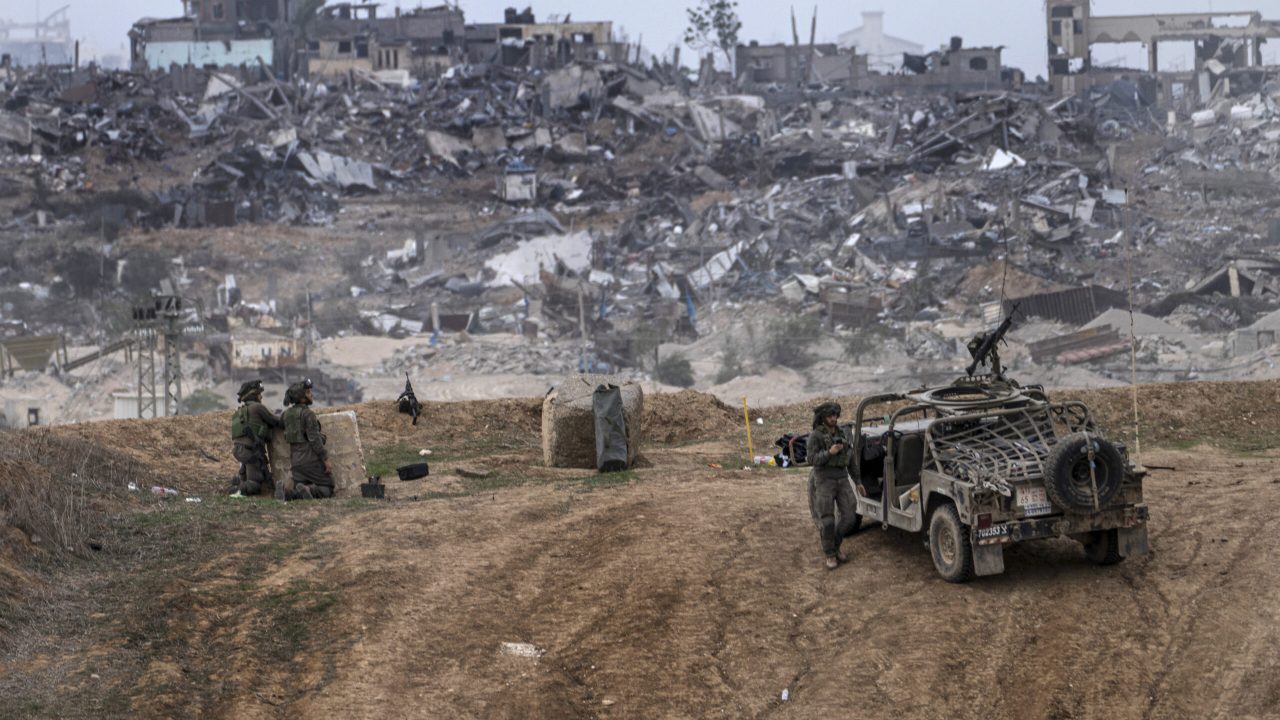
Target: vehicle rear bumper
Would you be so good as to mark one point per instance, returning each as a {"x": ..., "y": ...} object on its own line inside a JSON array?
[{"x": 1130, "y": 516}]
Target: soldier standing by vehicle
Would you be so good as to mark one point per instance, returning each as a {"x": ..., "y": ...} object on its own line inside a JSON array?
[
  {"x": 251, "y": 426},
  {"x": 829, "y": 488},
  {"x": 310, "y": 459}
]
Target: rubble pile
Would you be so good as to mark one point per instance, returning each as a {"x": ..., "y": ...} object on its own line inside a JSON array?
[{"x": 654, "y": 206}]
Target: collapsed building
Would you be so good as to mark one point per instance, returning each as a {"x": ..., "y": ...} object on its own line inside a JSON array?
[
  {"x": 1227, "y": 48},
  {"x": 645, "y": 208},
  {"x": 43, "y": 42}
]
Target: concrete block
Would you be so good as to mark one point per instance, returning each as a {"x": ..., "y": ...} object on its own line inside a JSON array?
[
  {"x": 346, "y": 453},
  {"x": 568, "y": 421}
]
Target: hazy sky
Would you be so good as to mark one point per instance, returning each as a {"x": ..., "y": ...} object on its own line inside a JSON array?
[{"x": 1017, "y": 25}]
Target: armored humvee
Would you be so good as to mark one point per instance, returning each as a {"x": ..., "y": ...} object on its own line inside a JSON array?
[{"x": 985, "y": 462}]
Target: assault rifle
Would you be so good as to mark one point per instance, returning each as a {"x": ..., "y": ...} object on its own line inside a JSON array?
[
  {"x": 983, "y": 347},
  {"x": 408, "y": 402}
]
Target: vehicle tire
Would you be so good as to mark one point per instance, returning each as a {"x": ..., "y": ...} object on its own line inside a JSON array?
[
  {"x": 1066, "y": 472},
  {"x": 949, "y": 545},
  {"x": 1103, "y": 547}
]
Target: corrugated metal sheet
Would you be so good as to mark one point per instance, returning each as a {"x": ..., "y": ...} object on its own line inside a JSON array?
[
  {"x": 1075, "y": 306},
  {"x": 32, "y": 353}
]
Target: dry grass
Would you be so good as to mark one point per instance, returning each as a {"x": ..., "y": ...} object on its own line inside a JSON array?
[{"x": 54, "y": 488}]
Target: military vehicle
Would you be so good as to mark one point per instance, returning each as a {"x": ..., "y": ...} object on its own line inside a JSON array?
[{"x": 986, "y": 462}]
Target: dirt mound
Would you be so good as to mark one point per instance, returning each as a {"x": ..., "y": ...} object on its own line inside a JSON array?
[
  {"x": 1016, "y": 283},
  {"x": 687, "y": 415},
  {"x": 16, "y": 532},
  {"x": 1233, "y": 415}
]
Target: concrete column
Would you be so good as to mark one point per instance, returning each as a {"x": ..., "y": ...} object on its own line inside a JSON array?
[{"x": 1153, "y": 58}]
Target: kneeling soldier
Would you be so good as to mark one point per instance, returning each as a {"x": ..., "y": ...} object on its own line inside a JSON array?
[
  {"x": 311, "y": 468},
  {"x": 251, "y": 426}
]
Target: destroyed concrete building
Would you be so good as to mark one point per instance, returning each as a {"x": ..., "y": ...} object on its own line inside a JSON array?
[
  {"x": 44, "y": 42},
  {"x": 217, "y": 34},
  {"x": 521, "y": 41},
  {"x": 643, "y": 210},
  {"x": 1227, "y": 45},
  {"x": 781, "y": 63},
  {"x": 354, "y": 37},
  {"x": 347, "y": 37},
  {"x": 951, "y": 68}
]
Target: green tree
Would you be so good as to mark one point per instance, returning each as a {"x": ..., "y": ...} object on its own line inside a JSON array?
[
  {"x": 714, "y": 25},
  {"x": 203, "y": 401}
]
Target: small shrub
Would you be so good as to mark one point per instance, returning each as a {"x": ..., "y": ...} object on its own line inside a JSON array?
[
  {"x": 203, "y": 401},
  {"x": 675, "y": 370},
  {"x": 866, "y": 342},
  {"x": 787, "y": 341},
  {"x": 730, "y": 364}
]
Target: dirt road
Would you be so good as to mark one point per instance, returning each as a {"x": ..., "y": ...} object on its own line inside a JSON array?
[
  {"x": 673, "y": 591},
  {"x": 705, "y": 597}
]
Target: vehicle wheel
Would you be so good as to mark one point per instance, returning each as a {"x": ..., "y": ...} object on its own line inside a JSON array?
[
  {"x": 1103, "y": 547},
  {"x": 1067, "y": 481},
  {"x": 949, "y": 545}
]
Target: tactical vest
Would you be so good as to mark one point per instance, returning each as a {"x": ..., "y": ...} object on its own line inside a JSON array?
[
  {"x": 295, "y": 430},
  {"x": 246, "y": 424},
  {"x": 240, "y": 423}
]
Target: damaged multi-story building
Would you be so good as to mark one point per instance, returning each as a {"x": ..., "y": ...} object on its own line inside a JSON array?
[
  {"x": 952, "y": 68},
  {"x": 353, "y": 36},
  {"x": 217, "y": 33},
  {"x": 1227, "y": 48},
  {"x": 348, "y": 37},
  {"x": 43, "y": 42},
  {"x": 521, "y": 41}
]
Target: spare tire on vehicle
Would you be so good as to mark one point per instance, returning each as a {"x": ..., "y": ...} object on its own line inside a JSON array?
[{"x": 1068, "y": 480}]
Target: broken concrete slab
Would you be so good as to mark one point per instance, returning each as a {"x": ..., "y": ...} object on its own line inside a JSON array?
[
  {"x": 530, "y": 257},
  {"x": 446, "y": 146},
  {"x": 346, "y": 454},
  {"x": 15, "y": 128}
]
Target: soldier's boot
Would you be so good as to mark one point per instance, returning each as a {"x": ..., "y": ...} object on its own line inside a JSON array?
[
  {"x": 842, "y": 556},
  {"x": 832, "y": 562},
  {"x": 301, "y": 492}
]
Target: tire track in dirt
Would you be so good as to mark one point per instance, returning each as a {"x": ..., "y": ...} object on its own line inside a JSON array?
[{"x": 1187, "y": 621}]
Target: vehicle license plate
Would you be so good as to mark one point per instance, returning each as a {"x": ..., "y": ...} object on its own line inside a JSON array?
[{"x": 1034, "y": 501}]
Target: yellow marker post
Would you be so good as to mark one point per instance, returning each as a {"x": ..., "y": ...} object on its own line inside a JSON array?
[{"x": 746, "y": 420}]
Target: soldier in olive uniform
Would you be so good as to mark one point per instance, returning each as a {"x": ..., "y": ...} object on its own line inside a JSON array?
[
  {"x": 829, "y": 489},
  {"x": 310, "y": 459},
  {"x": 251, "y": 427}
]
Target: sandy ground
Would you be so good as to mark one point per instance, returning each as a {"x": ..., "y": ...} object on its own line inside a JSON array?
[
  {"x": 705, "y": 597},
  {"x": 691, "y": 589}
]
